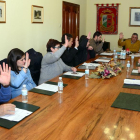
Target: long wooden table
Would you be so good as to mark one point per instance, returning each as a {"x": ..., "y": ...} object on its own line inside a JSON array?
[{"x": 82, "y": 112}]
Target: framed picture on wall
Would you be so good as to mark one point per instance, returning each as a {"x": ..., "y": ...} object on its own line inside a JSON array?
[
  {"x": 37, "y": 14},
  {"x": 134, "y": 16},
  {"x": 2, "y": 12}
]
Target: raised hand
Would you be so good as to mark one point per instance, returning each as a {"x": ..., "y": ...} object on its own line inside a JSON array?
[
  {"x": 27, "y": 62},
  {"x": 76, "y": 42},
  {"x": 7, "y": 109},
  {"x": 88, "y": 36},
  {"x": 121, "y": 35},
  {"x": 103, "y": 39},
  {"x": 5, "y": 75},
  {"x": 66, "y": 42}
]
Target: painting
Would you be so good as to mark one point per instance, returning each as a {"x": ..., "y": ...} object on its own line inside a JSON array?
[
  {"x": 134, "y": 16},
  {"x": 37, "y": 14},
  {"x": 2, "y": 12}
]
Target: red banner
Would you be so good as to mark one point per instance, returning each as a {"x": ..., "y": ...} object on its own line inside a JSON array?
[{"x": 107, "y": 19}]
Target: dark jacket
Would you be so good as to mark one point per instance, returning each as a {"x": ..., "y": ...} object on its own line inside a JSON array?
[
  {"x": 35, "y": 65},
  {"x": 69, "y": 57},
  {"x": 83, "y": 51}
]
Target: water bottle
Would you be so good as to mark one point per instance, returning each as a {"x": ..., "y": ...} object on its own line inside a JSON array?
[
  {"x": 60, "y": 85},
  {"x": 115, "y": 57},
  {"x": 114, "y": 52},
  {"x": 124, "y": 54},
  {"x": 128, "y": 66},
  {"x": 121, "y": 56},
  {"x": 86, "y": 72},
  {"x": 24, "y": 94},
  {"x": 132, "y": 58}
]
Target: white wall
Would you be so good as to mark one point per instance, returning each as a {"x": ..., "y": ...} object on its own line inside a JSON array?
[
  {"x": 19, "y": 32},
  {"x": 123, "y": 19}
]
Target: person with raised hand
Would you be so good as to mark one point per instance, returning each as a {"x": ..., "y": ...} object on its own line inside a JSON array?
[
  {"x": 69, "y": 56},
  {"x": 52, "y": 65},
  {"x": 85, "y": 51},
  {"x": 20, "y": 74},
  {"x": 97, "y": 42},
  {"x": 133, "y": 44},
  {"x": 5, "y": 91}
]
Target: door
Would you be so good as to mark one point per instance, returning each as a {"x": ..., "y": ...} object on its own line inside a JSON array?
[{"x": 70, "y": 19}]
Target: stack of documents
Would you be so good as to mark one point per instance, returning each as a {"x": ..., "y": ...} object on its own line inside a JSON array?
[
  {"x": 135, "y": 55},
  {"x": 108, "y": 54},
  {"x": 134, "y": 71},
  {"x": 102, "y": 60},
  {"x": 48, "y": 87},
  {"x": 91, "y": 66},
  {"x": 78, "y": 74},
  {"x": 132, "y": 81},
  {"x": 18, "y": 116}
]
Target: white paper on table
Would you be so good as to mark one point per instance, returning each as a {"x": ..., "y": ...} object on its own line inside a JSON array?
[
  {"x": 135, "y": 55},
  {"x": 104, "y": 53},
  {"x": 49, "y": 87},
  {"x": 18, "y": 116},
  {"x": 132, "y": 81},
  {"x": 102, "y": 60},
  {"x": 91, "y": 64},
  {"x": 134, "y": 71},
  {"x": 79, "y": 74}
]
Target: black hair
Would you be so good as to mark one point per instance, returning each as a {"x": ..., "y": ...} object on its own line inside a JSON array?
[
  {"x": 97, "y": 33},
  {"x": 69, "y": 36},
  {"x": 13, "y": 56},
  {"x": 83, "y": 37},
  {"x": 135, "y": 34}
]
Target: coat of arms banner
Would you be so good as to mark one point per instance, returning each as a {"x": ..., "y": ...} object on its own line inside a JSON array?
[{"x": 107, "y": 18}]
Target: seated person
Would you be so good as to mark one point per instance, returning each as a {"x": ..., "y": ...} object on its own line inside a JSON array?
[
  {"x": 20, "y": 74},
  {"x": 5, "y": 92},
  {"x": 52, "y": 65},
  {"x": 132, "y": 44},
  {"x": 85, "y": 51},
  {"x": 97, "y": 42},
  {"x": 69, "y": 56}
]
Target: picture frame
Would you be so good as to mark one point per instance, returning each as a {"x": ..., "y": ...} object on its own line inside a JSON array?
[
  {"x": 2, "y": 11},
  {"x": 134, "y": 16},
  {"x": 37, "y": 14}
]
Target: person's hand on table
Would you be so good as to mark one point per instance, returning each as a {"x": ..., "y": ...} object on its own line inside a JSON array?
[
  {"x": 74, "y": 69},
  {"x": 7, "y": 109}
]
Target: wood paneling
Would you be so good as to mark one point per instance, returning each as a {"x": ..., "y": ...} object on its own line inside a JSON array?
[{"x": 70, "y": 21}]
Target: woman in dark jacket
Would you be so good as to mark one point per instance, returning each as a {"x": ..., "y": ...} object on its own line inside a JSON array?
[{"x": 85, "y": 51}]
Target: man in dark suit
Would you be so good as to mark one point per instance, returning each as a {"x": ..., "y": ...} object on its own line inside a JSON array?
[{"x": 69, "y": 56}]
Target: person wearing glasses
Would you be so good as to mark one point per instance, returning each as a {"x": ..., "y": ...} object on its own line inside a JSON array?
[
  {"x": 5, "y": 91},
  {"x": 52, "y": 65},
  {"x": 133, "y": 44},
  {"x": 20, "y": 74}
]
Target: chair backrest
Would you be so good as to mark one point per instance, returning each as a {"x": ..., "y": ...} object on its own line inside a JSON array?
[
  {"x": 106, "y": 46},
  {"x": 35, "y": 65}
]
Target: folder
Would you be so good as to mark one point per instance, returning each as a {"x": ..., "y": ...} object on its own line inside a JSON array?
[
  {"x": 9, "y": 124},
  {"x": 46, "y": 92},
  {"x": 89, "y": 67},
  {"x": 127, "y": 101}
]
